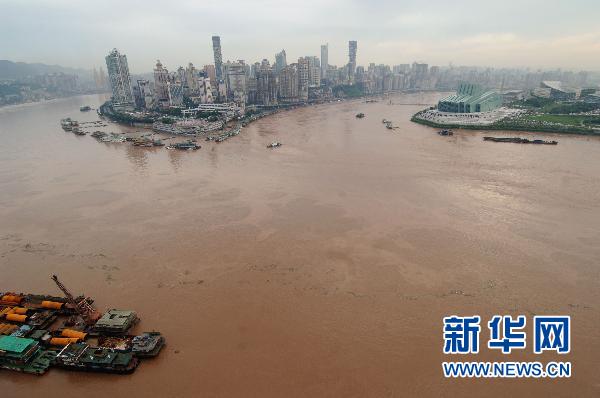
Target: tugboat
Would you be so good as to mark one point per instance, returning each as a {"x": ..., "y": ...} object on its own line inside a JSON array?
[
  {"x": 360, "y": 115},
  {"x": 445, "y": 132},
  {"x": 184, "y": 146},
  {"x": 274, "y": 144},
  {"x": 85, "y": 108}
]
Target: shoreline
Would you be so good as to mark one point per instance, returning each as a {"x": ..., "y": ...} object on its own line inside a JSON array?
[
  {"x": 243, "y": 121},
  {"x": 46, "y": 101},
  {"x": 493, "y": 127}
]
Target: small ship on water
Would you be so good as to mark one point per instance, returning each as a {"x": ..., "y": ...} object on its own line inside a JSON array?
[{"x": 518, "y": 140}]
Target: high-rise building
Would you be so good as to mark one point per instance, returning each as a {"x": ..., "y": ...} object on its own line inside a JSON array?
[
  {"x": 266, "y": 85},
  {"x": 102, "y": 78},
  {"x": 143, "y": 94},
  {"x": 161, "y": 83},
  {"x": 288, "y": 83},
  {"x": 235, "y": 80},
  {"x": 352, "y": 47},
  {"x": 216, "y": 40},
  {"x": 280, "y": 61},
  {"x": 419, "y": 75},
  {"x": 303, "y": 78},
  {"x": 324, "y": 60},
  {"x": 118, "y": 74},
  {"x": 211, "y": 73},
  {"x": 191, "y": 81},
  {"x": 314, "y": 72}
]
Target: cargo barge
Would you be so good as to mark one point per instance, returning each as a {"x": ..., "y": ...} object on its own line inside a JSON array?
[
  {"x": 517, "y": 140},
  {"x": 38, "y": 332}
]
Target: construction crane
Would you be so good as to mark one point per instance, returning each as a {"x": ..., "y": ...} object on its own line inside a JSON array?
[{"x": 81, "y": 304}]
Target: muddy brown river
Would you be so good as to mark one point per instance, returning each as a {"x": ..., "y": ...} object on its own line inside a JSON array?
[{"x": 322, "y": 268}]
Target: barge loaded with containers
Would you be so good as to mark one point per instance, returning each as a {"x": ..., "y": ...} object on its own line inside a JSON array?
[{"x": 41, "y": 331}]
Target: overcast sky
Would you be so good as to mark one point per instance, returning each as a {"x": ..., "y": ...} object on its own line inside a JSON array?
[{"x": 548, "y": 34}]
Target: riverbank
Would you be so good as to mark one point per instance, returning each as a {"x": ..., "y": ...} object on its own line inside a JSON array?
[{"x": 518, "y": 121}]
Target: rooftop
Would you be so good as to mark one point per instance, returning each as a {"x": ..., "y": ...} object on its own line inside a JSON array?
[
  {"x": 116, "y": 319},
  {"x": 14, "y": 344}
]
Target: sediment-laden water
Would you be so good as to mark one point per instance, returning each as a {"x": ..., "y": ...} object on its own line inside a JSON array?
[{"x": 320, "y": 268}]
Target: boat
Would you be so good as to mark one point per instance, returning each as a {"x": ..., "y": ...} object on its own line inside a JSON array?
[
  {"x": 78, "y": 131},
  {"x": 67, "y": 124},
  {"x": 445, "y": 132},
  {"x": 518, "y": 140},
  {"x": 99, "y": 134},
  {"x": 184, "y": 146},
  {"x": 274, "y": 144},
  {"x": 85, "y": 108},
  {"x": 147, "y": 345},
  {"x": 81, "y": 356},
  {"x": 388, "y": 124},
  {"x": 360, "y": 115},
  {"x": 146, "y": 142}
]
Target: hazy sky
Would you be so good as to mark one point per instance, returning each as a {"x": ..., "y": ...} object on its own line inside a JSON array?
[{"x": 551, "y": 33}]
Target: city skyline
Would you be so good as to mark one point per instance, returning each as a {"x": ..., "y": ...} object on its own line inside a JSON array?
[{"x": 500, "y": 36}]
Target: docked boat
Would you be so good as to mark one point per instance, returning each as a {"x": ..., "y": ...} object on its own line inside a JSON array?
[
  {"x": 445, "y": 132},
  {"x": 184, "y": 146},
  {"x": 99, "y": 134},
  {"x": 147, "y": 345},
  {"x": 360, "y": 115},
  {"x": 274, "y": 144},
  {"x": 85, "y": 108},
  {"x": 518, "y": 140},
  {"x": 78, "y": 131},
  {"x": 145, "y": 142},
  {"x": 81, "y": 356},
  {"x": 67, "y": 124}
]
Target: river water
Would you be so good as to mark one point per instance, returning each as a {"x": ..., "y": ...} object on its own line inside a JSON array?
[{"x": 321, "y": 268}]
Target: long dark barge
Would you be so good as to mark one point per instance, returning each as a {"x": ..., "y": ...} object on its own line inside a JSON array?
[{"x": 518, "y": 140}]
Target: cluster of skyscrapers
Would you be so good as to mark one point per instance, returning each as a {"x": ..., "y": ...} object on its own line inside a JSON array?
[
  {"x": 309, "y": 78},
  {"x": 260, "y": 83}
]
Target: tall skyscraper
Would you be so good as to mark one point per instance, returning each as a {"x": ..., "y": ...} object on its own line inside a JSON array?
[
  {"x": 118, "y": 74},
  {"x": 161, "y": 81},
  {"x": 324, "y": 60},
  {"x": 211, "y": 73},
  {"x": 218, "y": 57},
  {"x": 266, "y": 85},
  {"x": 288, "y": 84},
  {"x": 235, "y": 80},
  {"x": 352, "y": 47},
  {"x": 280, "y": 61},
  {"x": 314, "y": 71},
  {"x": 303, "y": 78}
]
